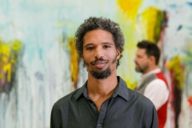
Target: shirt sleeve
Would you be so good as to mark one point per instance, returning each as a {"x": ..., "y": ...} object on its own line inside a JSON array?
[{"x": 157, "y": 92}]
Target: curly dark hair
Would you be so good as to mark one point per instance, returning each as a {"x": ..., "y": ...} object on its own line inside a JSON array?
[{"x": 93, "y": 23}]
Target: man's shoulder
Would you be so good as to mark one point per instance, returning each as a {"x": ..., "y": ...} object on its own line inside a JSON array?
[
  {"x": 141, "y": 100},
  {"x": 156, "y": 78},
  {"x": 158, "y": 82},
  {"x": 135, "y": 97},
  {"x": 65, "y": 100}
]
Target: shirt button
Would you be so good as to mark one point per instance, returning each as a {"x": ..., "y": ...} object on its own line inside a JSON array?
[{"x": 99, "y": 125}]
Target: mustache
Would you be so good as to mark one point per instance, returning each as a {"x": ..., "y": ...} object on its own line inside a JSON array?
[{"x": 99, "y": 61}]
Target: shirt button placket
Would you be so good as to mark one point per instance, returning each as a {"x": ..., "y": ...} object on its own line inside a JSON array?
[{"x": 102, "y": 115}]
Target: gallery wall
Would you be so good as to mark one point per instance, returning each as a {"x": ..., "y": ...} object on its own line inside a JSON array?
[{"x": 39, "y": 63}]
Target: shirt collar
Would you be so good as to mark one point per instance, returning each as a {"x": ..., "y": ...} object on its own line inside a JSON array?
[
  {"x": 121, "y": 90},
  {"x": 157, "y": 70},
  {"x": 81, "y": 92}
]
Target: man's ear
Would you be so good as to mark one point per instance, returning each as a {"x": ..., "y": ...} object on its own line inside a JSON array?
[
  {"x": 152, "y": 59},
  {"x": 118, "y": 54}
]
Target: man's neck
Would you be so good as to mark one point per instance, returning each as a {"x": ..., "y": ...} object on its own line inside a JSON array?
[
  {"x": 99, "y": 90},
  {"x": 101, "y": 86}
]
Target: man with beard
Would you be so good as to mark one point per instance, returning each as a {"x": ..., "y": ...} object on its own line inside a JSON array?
[
  {"x": 104, "y": 101},
  {"x": 153, "y": 84}
]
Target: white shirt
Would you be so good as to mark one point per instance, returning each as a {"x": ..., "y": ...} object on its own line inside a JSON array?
[{"x": 156, "y": 91}]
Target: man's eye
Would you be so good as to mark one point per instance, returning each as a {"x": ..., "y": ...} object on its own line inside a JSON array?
[
  {"x": 89, "y": 48},
  {"x": 106, "y": 46}
]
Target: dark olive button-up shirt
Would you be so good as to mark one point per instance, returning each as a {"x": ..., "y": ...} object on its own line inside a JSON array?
[{"x": 125, "y": 109}]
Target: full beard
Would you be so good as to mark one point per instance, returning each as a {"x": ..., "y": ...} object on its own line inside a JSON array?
[{"x": 141, "y": 69}]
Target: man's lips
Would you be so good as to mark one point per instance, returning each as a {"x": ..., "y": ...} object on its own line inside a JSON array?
[{"x": 99, "y": 64}]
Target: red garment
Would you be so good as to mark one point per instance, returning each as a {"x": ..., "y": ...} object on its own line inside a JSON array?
[{"x": 162, "y": 111}]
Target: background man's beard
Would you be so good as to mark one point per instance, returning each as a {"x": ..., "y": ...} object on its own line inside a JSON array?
[
  {"x": 101, "y": 74},
  {"x": 140, "y": 70}
]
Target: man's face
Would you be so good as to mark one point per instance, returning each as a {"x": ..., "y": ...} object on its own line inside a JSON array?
[
  {"x": 99, "y": 53},
  {"x": 141, "y": 61}
]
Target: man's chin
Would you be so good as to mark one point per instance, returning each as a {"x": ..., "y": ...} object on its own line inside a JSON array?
[{"x": 101, "y": 74}]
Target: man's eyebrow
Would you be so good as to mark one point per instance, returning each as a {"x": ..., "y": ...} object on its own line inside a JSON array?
[
  {"x": 89, "y": 44},
  {"x": 108, "y": 43}
]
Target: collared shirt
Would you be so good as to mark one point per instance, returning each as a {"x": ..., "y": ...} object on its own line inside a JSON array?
[{"x": 125, "y": 109}]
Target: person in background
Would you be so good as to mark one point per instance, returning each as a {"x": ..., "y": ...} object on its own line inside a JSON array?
[
  {"x": 104, "y": 101},
  {"x": 153, "y": 84}
]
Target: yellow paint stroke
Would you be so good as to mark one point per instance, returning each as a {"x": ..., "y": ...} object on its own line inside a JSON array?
[
  {"x": 16, "y": 45},
  {"x": 74, "y": 61},
  {"x": 129, "y": 7},
  {"x": 177, "y": 70},
  {"x": 130, "y": 84},
  {"x": 151, "y": 21},
  {"x": 127, "y": 19},
  {"x": 5, "y": 62},
  {"x": 8, "y": 57}
]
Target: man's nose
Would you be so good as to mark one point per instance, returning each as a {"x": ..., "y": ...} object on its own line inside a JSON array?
[{"x": 98, "y": 52}]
